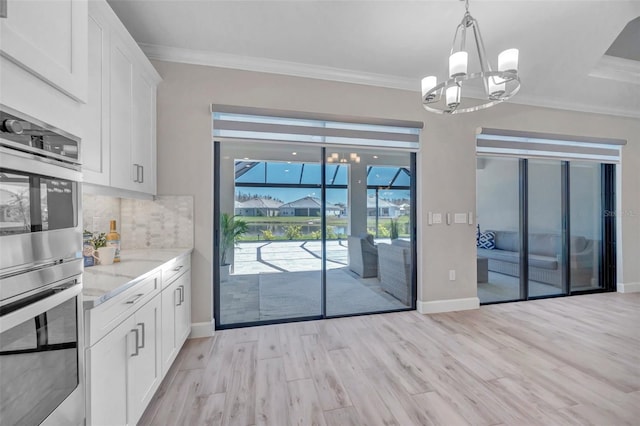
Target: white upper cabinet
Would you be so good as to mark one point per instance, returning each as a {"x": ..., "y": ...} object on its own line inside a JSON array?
[
  {"x": 48, "y": 39},
  {"x": 95, "y": 143},
  {"x": 120, "y": 137}
]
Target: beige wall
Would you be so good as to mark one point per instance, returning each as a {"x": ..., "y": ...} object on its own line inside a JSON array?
[{"x": 446, "y": 163}]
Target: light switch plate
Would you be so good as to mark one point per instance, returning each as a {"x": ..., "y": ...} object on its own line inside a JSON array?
[
  {"x": 460, "y": 218},
  {"x": 437, "y": 218}
]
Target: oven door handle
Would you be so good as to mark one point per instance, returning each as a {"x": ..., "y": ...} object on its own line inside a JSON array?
[{"x": 19, "y": 316}]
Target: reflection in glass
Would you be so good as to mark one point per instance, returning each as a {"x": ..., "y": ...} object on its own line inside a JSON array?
[
  {"x": 497, "y": 226},
  {"x": 545, "y": 228},
  {"x": 586, "y": 225},
  {"x": 370, "y": 270}
]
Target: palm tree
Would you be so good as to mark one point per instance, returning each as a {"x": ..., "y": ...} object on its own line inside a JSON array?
[{"x": 231, "y": 229}]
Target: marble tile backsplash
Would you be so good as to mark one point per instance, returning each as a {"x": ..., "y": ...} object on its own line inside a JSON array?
[
  {"x": 98, "y": 210},
  {"x": 166, "y": 222}
]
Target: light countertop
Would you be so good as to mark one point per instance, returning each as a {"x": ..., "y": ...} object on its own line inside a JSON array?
[{"x": 102, "y": 282}]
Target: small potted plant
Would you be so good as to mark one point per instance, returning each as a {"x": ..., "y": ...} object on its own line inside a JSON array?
[{"x": 231, "y": 229}]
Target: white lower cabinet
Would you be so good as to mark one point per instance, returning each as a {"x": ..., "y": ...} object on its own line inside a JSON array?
[
  {"x": 176, "y": 318},
  {"x": 124, "y": 369},
  {"x": 131, "y": 353},
  {"x": 107, "y": 364},
  {"x": 144, "y": 373}
]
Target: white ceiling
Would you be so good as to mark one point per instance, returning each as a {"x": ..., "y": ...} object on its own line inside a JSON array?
[{"x": 396, "y": 43}]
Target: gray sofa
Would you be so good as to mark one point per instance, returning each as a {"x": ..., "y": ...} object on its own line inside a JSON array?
[
  {"x": 544, "y": 257},
  {"x": 363, "y": 255},
  {"x": 395, "y": 269}
]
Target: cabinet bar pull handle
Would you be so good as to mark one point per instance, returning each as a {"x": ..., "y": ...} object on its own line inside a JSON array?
[
  {"x": 141, "y": 324},
  {"x": 136, "y": 172},
  {"x": 136, "y": 353},
  {"x": 177, "y": 268},
  {"x": 181, "y": 294},
  {"x": 134, "y": 299},
  {"x": 3, "y": 8},
  {"x": 141, "y": 174}
]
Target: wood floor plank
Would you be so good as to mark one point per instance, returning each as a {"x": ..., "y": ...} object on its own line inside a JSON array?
[
  {"x": 371, "y": 408},
  {"x": 304, "y": 404},
  {"x": 330, "y": 389},
  {"x": 438, "y": 411},
  {"x": 269, "y": 345},
  {"x": 568, "y": 361},
  {"x": 240, "y": 398},
  {"x": 272, "y": 405},
  {"x": 206, "y": 410},
  {"x": 198, "y": 353},
  {"x": 296, "y": 365},
  {"x": 347, "y": 416}
]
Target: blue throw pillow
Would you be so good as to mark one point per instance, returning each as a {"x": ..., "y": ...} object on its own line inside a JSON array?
[{"x": 487, "y": 240}]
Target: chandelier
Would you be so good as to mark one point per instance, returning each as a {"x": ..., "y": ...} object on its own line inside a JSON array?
[
  {"x": 487, "y": 87},
  {"x": 338, "y": 158}
]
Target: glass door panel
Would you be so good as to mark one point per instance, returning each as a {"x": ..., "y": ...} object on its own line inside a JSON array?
[
  {"x": 497, "y": 229},
  {"x": 369, "y": 246},
  {"x": 586, "y": 216},
  {"x": 545, "y": 242},
  {"x": 270, "y": 195}
]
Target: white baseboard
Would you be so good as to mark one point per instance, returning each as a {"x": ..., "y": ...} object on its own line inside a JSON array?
[
  {"x": 202, "y": 329},
  {"x": 628, "y": 287},
  {"x": 450, "y": 305}
]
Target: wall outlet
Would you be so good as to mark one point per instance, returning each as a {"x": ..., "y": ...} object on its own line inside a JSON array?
[{"x": 452, "y": 274}]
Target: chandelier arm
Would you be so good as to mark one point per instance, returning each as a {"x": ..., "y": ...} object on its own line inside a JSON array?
[
  {"x": 482, "y": 53},
  {"x": 455, "y": 38}
]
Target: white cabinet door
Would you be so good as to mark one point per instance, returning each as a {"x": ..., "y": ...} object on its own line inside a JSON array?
[
  {"x": 170, "y": 300},
  {"x": 95, "y": 143},
  {"x": 145, "y": 367},
  {"x": 144, "y": 128},
  {"x": 183, "y": 312},
  {"x": 176, "y": 318},
  {"x": 49, "y": 39},
  {"x": 123, "y": 173},
  {"x": 106, "y": 364}
]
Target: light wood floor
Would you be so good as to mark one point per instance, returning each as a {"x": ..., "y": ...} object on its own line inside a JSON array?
[{"x": 568, "y": 361}]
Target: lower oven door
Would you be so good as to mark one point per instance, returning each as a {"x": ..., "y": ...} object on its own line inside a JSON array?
[{"x": 41, "y": 362}]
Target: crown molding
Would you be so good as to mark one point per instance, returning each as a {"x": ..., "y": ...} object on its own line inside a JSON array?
[
  {"x": 272, "y": 66},
  {"x": 617, "y": 69}
]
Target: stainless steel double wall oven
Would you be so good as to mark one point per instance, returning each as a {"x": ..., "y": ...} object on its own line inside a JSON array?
[{"x": 41, "y": 355}]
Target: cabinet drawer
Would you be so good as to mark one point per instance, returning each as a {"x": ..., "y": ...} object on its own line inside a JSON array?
[
  {"x": 105, "y": 317},
  {"x": 174, "y": 268}
]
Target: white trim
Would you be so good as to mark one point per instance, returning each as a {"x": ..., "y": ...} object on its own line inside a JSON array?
[
  {"x": 437, "y": 306},
  {"x": 628, "y": 287},
  {"x": 246, "y": 63},
  {"x": 617, "y": 69},
  {"x": 274, "y": 66},
  {"x": 202, "y": 329}
]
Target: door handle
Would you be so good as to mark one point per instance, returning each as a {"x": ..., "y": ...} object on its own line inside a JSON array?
[
  {"x": 136, "y": 347},
  {"x": 141, "y": 325}
]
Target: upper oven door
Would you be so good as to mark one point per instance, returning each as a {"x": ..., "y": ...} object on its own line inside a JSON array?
[{"x": 39, "y": 205}]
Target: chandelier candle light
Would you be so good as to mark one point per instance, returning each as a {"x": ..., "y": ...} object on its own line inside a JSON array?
[{"x": 498, "y": 86}]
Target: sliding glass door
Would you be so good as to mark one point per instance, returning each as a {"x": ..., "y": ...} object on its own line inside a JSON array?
[
  {"x": 541, "y": 228},
  {"x": 306, "y": 232},
  {"x": 545, "y": 244},
  {"x": 368, "y": 213}
]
